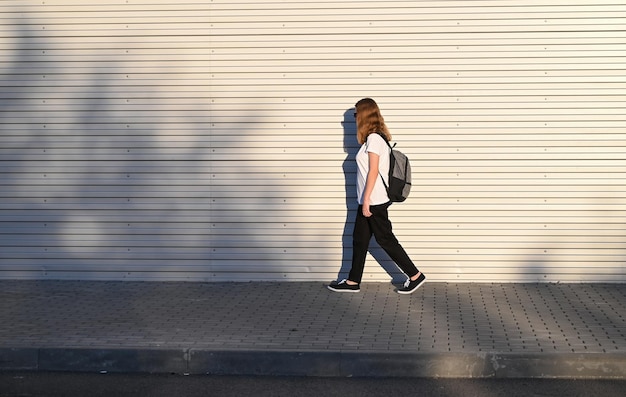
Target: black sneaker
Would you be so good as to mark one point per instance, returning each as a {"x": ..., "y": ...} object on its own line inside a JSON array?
[
  {"x": 412, "y": 286},
  {"x": 343, "y": 286}
]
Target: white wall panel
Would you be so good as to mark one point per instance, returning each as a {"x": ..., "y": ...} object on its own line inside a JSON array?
[{"x": 213, "y": 140}]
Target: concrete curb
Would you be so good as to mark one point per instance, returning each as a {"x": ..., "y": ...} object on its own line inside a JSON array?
[{"x": 322, "y": 364}]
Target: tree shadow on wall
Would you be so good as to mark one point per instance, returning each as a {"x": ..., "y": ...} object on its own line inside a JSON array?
[
  {"x": 351, "y": 147},
  {"x": 97, "y": 212}
]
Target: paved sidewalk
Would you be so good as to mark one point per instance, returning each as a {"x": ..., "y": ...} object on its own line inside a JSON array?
[{"x": 442, "y": 330}]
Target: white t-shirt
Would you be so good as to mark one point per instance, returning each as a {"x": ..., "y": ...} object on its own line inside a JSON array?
[{"x": 375, "y": 144}]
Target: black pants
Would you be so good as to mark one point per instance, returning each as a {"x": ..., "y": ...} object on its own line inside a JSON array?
[{"x": 380, "y": 226}]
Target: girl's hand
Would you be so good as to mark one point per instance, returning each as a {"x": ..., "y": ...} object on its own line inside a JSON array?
[{"x": 366, "y": 209}]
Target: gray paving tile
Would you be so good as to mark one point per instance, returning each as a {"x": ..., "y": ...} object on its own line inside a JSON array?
[{"x": 440, "y": 318}]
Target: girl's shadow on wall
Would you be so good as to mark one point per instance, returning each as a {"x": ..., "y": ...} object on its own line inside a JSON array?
[{"x": 351, "y": 147}]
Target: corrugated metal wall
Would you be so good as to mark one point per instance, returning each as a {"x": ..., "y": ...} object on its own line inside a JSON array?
[{"x": 212, "y": 140}]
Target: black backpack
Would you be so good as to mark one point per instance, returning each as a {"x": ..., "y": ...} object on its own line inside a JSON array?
[{"x": 399, "y": 174}]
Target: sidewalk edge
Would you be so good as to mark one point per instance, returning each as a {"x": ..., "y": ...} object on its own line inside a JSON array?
[{"x": 321, "y": 364}]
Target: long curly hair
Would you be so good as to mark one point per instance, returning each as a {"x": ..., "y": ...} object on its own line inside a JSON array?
[{"x": 369, "y": 120}]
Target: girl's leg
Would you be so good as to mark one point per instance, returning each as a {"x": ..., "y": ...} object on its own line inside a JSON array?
[
  {"x": 382, "y": 230},
  {"x": 360, "y": 244}
]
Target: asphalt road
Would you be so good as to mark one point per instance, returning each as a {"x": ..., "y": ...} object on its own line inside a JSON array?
[{"x": 38, "y": 384}]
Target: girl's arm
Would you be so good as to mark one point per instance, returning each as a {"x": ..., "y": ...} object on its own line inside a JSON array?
[{"x": 372, "y": 176}]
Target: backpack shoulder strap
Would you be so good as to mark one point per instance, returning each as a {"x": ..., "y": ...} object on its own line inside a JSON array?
[
  {"x": 386, "y": 141},
  {"x": 390, "y": 155}
]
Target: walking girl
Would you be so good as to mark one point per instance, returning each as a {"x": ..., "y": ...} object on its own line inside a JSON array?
[{"x": 372, "y": 215}]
